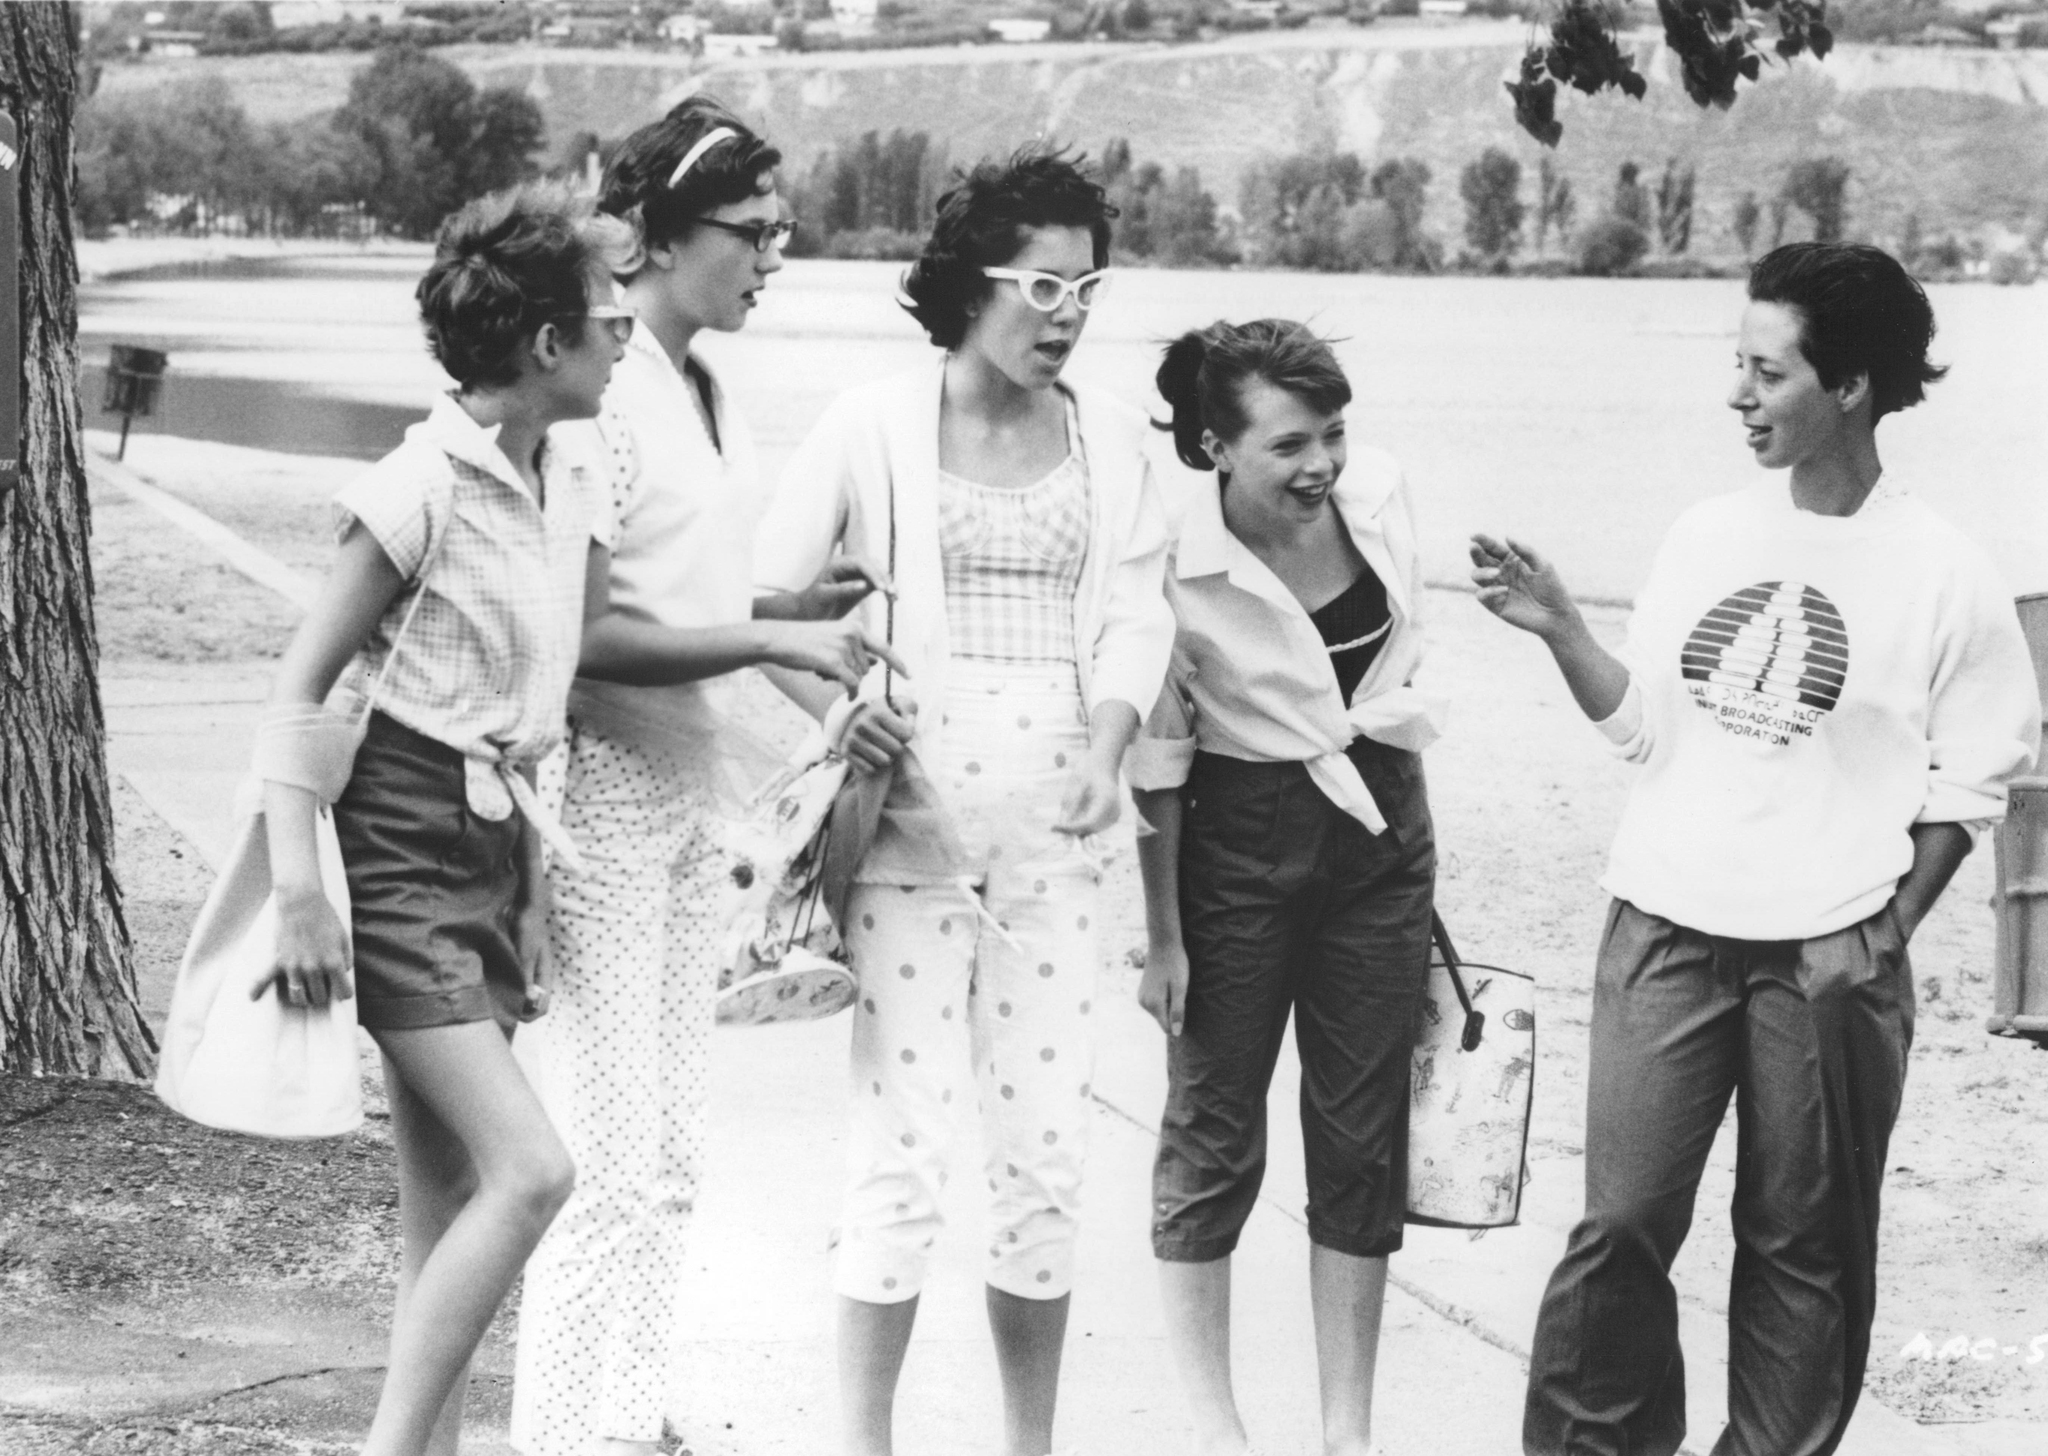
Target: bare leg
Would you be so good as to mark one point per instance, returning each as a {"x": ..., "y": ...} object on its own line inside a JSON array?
[
  {"x": 872, "y": 1342},
  {"x": 435, "y": 1178},
  {"x": 1197, "y": 1300},
  {"x": 461, "y": 1093},
  {"x": 1029, "y": 1335},
  {"x": 1347, "y": 1293}
]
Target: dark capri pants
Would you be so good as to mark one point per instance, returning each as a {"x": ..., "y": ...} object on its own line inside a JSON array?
[
  {"x": 1288, "y": 904},
  {"x": 1811, "y": 1038}
]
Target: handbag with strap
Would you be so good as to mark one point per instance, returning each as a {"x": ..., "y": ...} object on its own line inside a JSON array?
[
  {"x": 1470, "y": 1093},
  {"x": 793, "y": 852},
  {"x": 248, "y": 1062}
]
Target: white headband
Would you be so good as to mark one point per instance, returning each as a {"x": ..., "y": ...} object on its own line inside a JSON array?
[{"x": 705, "y": 143}]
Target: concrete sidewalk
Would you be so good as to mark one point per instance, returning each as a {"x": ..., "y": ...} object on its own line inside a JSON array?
[{"x": 760, "y": 1308}]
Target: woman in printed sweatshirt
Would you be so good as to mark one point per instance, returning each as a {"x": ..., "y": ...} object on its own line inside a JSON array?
[{"x": 1826, "y": 688}]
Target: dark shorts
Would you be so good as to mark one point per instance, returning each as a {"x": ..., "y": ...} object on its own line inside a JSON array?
[
  {"x": 1288, "y": 904},
  {"x": 433, "y": 888}
]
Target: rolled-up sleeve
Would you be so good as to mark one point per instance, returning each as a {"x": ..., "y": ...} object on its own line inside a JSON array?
[
  {"x": 1631, "y": 729},
  {"x": 1164, "y": 750},
  {"x": 1135, "y": 639},
  {"x": 1984, "y": 713},
  {"x": 1627, "y": 728},
  {"x": 393, "y": 500}
]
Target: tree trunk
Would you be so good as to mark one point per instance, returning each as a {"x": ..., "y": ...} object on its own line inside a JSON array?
[{"x": 67, "y": 978}]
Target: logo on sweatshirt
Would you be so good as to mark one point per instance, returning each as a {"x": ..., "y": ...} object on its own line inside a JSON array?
[{"x": 1768, "y": 662}]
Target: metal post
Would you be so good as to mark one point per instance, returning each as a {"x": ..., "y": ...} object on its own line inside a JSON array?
[{"x": 2019, "y": 988}]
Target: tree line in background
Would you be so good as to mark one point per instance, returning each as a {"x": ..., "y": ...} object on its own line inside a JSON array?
[{"x": 417, "y": 138}]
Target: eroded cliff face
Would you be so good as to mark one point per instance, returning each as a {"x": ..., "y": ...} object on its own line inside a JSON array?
[{"x": 1961, "y": 137}]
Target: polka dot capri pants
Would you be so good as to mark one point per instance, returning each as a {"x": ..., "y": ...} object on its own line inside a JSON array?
[
  {"x": 983, "y": 988},
  {"x": 621, "y": 1066}
]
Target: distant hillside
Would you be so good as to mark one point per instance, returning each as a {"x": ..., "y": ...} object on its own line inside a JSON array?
[{"x": 1960, "y": 136}]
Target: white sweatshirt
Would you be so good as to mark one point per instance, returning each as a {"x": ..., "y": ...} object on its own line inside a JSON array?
[{"x": 1804, "y": 689}]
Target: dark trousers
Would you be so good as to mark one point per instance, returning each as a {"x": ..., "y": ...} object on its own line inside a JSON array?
[
  {"x": 1288, "y": 904},
  {"x": 1811, "y": 1037}
]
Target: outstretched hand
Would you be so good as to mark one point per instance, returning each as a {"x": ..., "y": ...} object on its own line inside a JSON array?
[
  {"x": 1520, "y": 587},
  {"x": 838, "y": 650}
]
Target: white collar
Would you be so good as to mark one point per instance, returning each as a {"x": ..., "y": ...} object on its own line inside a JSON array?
[
  {"x": 643, "y": 343},
  {"x": 448, "y": 427},
  {"x": 1207, "y": 545}
]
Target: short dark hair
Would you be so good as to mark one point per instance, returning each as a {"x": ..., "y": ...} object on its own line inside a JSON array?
[
  {"x": 636, "y": 182},
  {"x": 981, "y": 224},
  {"x": 1203, "y": 375},
  {"x": 1860, "y": 312},
  {"x": 504, "y": 265}
]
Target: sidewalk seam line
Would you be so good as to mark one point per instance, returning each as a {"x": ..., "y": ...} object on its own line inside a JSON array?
[
  {"x": 236, "y": 550},
  {"x": 1445, "y": 1309}
]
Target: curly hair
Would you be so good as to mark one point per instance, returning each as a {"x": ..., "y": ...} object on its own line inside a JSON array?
[
  {"x": 505, "y": 265},
  {"x": 982, "y": 222},
  {"x": 637, "y": 182},
  {"x": 1860, "y": 312},
  {"x": 1204, "y": 372}
]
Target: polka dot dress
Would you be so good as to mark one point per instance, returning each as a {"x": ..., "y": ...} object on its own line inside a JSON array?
[
  {"x": 622, "y": 1054},
  {"x": 985, "y": 997}
]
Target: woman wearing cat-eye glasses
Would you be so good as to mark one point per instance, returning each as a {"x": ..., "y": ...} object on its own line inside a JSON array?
[{"x": 1028, "y": 547}]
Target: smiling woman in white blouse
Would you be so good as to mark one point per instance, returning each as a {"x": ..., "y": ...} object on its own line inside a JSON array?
[{"x": 1292, "y": 865}]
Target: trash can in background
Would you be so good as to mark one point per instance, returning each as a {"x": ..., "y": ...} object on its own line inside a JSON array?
[
  {"x": 2019, "y": 987},
  {"x": 134, "y": 375}
]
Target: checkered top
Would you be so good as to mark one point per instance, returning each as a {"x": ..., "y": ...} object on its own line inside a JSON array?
[
  {"x": 1013, "y": 562},
  {"x": 486, "y": 664}
]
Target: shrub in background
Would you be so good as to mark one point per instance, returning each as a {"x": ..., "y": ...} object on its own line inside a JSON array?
[{"x": 1609, "y": 246}]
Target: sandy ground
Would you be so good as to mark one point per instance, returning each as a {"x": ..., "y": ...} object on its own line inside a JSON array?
[{"x": 1525, "y": 800}]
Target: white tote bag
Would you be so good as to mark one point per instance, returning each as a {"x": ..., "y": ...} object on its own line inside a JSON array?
[
  {"x": 1470, "y": 1093},
  {"x": 255, "y": 1064},
  {"x": 258, "y": 1065}
]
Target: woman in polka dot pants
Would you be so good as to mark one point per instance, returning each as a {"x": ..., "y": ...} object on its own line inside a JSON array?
[
  {"x": 1029, "y": 543},
  {"x": 620, "y": 1058},
  {"x": 989, "y": 1001}
]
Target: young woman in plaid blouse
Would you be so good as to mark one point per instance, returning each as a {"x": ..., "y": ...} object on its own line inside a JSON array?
[
  {"x": 484, "y": 519},
  {"x": 1028, "y": 542}
]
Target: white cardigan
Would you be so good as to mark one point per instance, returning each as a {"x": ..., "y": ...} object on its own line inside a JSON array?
[{"x": 882, "y": 439}]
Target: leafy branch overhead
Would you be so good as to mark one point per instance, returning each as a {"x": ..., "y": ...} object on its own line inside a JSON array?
[{"x": 1717, "y": 43}]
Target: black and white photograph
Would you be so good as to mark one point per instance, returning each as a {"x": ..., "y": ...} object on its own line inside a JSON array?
[{"x": 1064, "y": 728}]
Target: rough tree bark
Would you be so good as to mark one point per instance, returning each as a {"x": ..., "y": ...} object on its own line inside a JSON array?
[{"x": 67, "y": 978}]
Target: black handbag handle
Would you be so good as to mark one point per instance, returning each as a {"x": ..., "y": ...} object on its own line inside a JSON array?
[{"x": 1475, "y": 1021}]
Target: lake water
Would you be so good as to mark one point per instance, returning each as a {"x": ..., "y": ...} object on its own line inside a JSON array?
[{"x": 1579, "y": 414}]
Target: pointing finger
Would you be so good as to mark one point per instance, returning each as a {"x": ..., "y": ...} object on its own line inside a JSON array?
[{"x": 884, "y": 651}]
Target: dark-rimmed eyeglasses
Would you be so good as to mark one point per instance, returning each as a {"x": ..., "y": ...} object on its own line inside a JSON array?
[
  {"x": 761, "y": 234},
  {"x": 1047, "y": 291}
]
